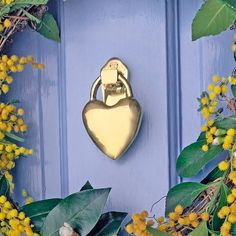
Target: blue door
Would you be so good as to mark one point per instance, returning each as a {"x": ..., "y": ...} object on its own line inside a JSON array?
[{"x": 167, "y": 73}]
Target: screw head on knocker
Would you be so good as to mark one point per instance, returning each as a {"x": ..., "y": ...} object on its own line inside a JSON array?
[{"x": 114, "y": 122}]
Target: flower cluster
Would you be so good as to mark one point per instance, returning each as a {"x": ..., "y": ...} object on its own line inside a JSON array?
[
  {"x": 9, "y": 153},
  {"x": 13, "y": 222},
  {"x": 174, "y": 223},
  {"x": 13, "y": 64},
  {"x": 228, "y": 213},
  {"x": 11, "y": 120},
  {"x": 220, "y": 137},
  {"x": 209, "y": 106}
]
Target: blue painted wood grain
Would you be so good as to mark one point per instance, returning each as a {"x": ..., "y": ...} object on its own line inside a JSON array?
[
  {"x": 135, "y": 32},
  {"x": 167, "y": 72}
]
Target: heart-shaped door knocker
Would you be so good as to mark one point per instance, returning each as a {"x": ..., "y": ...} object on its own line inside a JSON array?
[{"x": 114, "y": 122}]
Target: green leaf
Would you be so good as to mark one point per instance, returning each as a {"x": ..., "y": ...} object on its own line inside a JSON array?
[
  {"x": 37, "y": 211},
  {"x": 87, "y": 186},
  {"x": 31, "y": 17},
  {"x": 200, "y": 230},
  {"x": 16, "y": 7},
  {"x": 4, "y": 10},
  {"x": 183, "y": 194},
  {"x": 192, "y": 159},
  {"x": 154, "y": 232},
  {"x": 231, "y": 3},
  {"x": 14, "y": 137},
  {"x": 31, "y": 2},
  {"x": 213, "y": 175},
  {"x": 226, "y": 122},
  {"x": 48, "y": 27},
  {"x": 81, "y": 210},
  {"x": 21, "y": 4},
  {"x": 212, "y": 232},
  {"x": 216, "y": 222},
  {"x": 4, "y": 186},
  {"x": 213, "y": 17},
  {"x": 13, "y": 101},
  {"x": 202, "y": 136},
  {"x": 109, "y": 224},
  {"x": 233, "y": 89},
  {"x": 233, "y": 230}
]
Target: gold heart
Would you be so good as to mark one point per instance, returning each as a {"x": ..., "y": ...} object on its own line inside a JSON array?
[{"x": 112, "y": 128}]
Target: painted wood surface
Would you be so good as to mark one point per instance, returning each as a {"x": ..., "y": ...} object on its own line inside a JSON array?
[{"x": 167, "y": 73}]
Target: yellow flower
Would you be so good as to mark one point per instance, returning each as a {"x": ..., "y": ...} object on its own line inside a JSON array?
[
  {"x": 2, "y": 135},
  {"x": 228, "y": 139},
  {"x": 195, "y": 223},
  {"x": 129, "y": 228},
  {"x": 232, "y": 218},
  {"x": 231, "y": 132},
  {"x": 150, "y": 222},
  {"x": 162, "y": 228},
  {"x": 203, "y": 128},
  {"x": 20, "y": 112},
  {"x": 224, "y": 89},
  {"x": 225, "y": 210},
  {"x": 2, "y": 199},
  {"x": 192, "y": 216},
  {"x": 28, "y": 200},
  {"x": 7, "y": 23},
  {"x": 2, "y": 216},
  {"x": 30, "y": 59},
  {"x": 160, "y": 219},
  {"x": 181, "y": 221},
  {"x": 213, "y": 130},
  {"x": 212, "y": 109},
  {"x": 217, "y": 89},
  {"x": 205, "y": 216},
  {"x": 144, "y": 214},
  {"x": 210, "y": 123},
  {"x": 5, "y": 88},
  {"x": 223, "y": 165},
  {"x": 205, "y": 148},
  {"x": 212, "y": 96},
  {"x": 204, "y": 100},
  {"x": 216, "y": 78},
  {"x": 8, "y": 2},
  {"x": 179, "y": 209},
  {"x": 9, "y": 79},
  {"x": 234, "y": 47},
  {"x": 230, "y": 198},
  {"x": 227, "y": 146},
  {"x": 211, "y": 87},
  {"x": 173, "y": 215}
]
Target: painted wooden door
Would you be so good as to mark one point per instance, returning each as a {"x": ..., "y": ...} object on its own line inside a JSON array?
[{"x": 167, "y": 73}]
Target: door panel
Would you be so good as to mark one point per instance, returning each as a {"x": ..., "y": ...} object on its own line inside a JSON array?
[
  {"x": 167, "y": 73},
  {"x": 134, "y": 32}
]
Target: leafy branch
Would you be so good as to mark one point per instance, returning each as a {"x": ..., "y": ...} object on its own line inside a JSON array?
[{"x": 25, "y": 12}]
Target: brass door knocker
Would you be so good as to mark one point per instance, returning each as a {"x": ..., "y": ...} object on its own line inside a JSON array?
[{"x": 114, "y": 122}]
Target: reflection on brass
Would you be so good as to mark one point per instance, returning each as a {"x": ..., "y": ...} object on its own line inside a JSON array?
[{"x": 114, "y": 122}]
